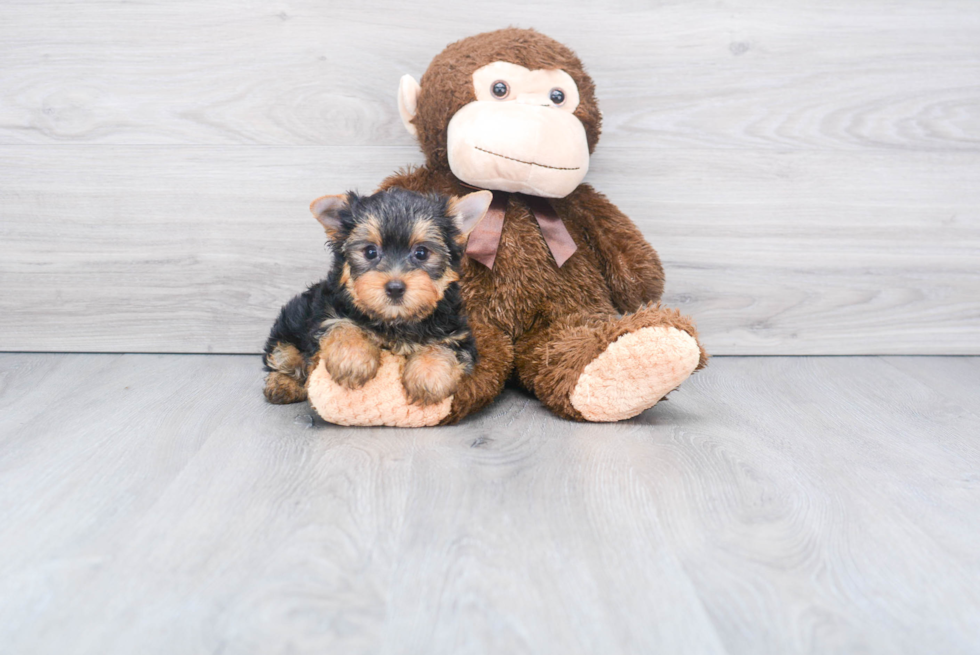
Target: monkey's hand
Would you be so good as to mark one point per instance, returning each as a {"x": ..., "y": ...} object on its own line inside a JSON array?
[{"x": 630, "y": 265}]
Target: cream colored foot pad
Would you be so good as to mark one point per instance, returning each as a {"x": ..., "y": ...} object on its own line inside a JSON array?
[{"x": 634, "y": 372}]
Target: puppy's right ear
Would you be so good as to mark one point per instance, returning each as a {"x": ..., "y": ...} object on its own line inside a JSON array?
[{"x": 327, "y": 211}]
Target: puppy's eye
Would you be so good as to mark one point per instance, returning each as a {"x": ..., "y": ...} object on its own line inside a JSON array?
[
  {"x": 421, "y": 253},
  {"x": 500, "y": 89},
  {"x": 557, "y": 96},
  {"x": 371, "y": 252}
]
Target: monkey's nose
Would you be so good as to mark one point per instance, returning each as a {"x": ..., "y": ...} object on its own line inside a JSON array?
[
  {"x": 533, "y": 99},
  {"x": 395, "y": 289}
]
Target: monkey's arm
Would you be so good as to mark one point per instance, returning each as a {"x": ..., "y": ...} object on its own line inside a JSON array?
[
  {"x": 630, "y": 264},
  {"x": 494, "y": 363}
]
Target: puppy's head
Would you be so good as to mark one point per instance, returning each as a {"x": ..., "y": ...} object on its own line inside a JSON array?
[{"x": 399, "y": 249}]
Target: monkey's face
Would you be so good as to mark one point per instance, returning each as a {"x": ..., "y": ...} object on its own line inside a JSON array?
[
  {"x": 508, "y": 127},
  {"x": 520, "y": 134}
]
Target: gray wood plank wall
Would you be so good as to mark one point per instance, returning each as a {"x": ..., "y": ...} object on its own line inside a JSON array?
[{"x": 809, "y": 171}]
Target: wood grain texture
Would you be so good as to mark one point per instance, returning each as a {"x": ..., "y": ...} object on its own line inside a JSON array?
[
  {"x": 806, "y": 170},
  {"x": 737, "y": 74},
  {"x": 155, "y": 503},
  {"x": 956, "y": 378},
  {"x": 829, "y": 514},
  {"x": 181, "y": 249}
]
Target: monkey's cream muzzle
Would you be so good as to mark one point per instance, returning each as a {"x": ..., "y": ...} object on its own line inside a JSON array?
[{"x": 520, "y": 147}]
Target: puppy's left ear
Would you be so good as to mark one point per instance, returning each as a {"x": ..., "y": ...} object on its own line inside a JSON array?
[
  {"x": 327, "y": 211},
  {"x": 468, "y": 210}
]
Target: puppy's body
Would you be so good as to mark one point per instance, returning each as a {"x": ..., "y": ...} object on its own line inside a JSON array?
[
  {"x": 305, "y": 319},
  {"x": 394, "y": 286}
]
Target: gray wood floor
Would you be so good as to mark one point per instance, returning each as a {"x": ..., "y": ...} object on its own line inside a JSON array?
[{"x": 156, "y": 504}]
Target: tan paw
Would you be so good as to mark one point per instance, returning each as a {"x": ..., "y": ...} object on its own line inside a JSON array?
[
  {"x": 382, "y": 401},
  {"x": 634, "y": 372},
  {"x": 350, "y": 357},
  {"x": 281, "y": 389},
  {"x": 431, "y": 376}
]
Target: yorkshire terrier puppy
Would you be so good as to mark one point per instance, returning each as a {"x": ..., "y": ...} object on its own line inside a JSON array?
[{"x": 394, "y": 285}]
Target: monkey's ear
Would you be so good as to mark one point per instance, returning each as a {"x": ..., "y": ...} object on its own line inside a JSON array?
[
  {"x": 468, "y": 210},
  {"x": 408, "y": 102},
  {"x": 327, "y": 211}
]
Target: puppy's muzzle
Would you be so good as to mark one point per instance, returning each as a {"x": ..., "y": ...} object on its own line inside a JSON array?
[{"x": 395, "y": 290}]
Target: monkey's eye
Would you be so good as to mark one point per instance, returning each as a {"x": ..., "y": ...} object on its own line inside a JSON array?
[
  {"x": 500, "y": 89},
  {"x": 421, "y": 253},
  {"x": 371, "y": 252},
  {"x": 557, "y": 96}
]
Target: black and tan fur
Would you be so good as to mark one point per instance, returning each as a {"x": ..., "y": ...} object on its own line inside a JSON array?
[{"x": 381, "y": 243}]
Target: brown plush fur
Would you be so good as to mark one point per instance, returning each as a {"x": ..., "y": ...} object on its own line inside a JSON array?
[
  {"x": 527, "y": 313},
  {"x": 552, "y": 359}
]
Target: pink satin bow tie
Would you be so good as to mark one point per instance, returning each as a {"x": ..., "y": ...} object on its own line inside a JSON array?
[{"x": 485, "y": 237}]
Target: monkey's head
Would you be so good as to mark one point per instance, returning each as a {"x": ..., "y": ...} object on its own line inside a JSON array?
[{"x": 511, "y": 110}]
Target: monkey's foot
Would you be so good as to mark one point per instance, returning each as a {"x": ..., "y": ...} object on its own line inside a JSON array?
[
  {"x": 634, "y": 372},
  {"x": 381, "y": 401}
]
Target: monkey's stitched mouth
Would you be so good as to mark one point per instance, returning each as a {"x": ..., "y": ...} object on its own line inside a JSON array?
[{"x": 529, "y": 163}]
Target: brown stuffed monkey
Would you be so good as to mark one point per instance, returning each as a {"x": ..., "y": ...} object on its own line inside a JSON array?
[{"x": 560, "y": 287}]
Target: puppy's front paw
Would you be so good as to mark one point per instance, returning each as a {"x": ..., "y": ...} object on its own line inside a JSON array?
[
  {"x": 350, "y": 357},
  {"x": 431, "y": 375}
]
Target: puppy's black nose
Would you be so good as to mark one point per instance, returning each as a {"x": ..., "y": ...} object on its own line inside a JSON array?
[{"x": 395, "y": 289}]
